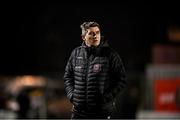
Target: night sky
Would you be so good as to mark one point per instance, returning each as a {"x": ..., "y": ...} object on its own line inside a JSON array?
[{"x": 38, "y": 38}]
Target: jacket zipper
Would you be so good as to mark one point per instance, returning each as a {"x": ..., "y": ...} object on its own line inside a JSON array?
[{"x": 87, "y": 68}]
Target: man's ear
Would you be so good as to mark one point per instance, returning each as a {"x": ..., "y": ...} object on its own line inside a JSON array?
[{"x": 82, "y": 37}]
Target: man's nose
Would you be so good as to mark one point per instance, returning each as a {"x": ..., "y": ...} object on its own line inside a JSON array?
[{"x": 94, "y": 35}]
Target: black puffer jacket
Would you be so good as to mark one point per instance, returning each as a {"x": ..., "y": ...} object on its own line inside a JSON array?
[{"x": 94, "y": 76}]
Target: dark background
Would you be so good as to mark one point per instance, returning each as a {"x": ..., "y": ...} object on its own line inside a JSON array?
[{"x": 37, "y": 38}]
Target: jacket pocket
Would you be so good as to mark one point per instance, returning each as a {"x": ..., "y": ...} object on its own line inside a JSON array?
[
  {"x": 108, "y": 97},
  {"x": 71, "y": 97}
]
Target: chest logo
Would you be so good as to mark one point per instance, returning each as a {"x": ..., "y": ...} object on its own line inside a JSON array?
[{"x": 96, "y": 67}]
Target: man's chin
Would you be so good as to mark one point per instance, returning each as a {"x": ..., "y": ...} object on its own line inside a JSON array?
[{"x": 95, "y": 44}]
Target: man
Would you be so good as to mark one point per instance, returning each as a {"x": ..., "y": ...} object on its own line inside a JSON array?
[{"x": 94, "y": 75}]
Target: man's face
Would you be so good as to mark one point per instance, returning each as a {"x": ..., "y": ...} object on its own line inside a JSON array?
[{"x": 92, "y": 37}]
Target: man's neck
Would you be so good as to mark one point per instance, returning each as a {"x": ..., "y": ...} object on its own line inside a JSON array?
[
  {"x": 88, "y": 45},
  {"x": 92, "y": 46}
]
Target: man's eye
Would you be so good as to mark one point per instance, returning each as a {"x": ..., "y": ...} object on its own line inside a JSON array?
[
  {"x": 97, "y": 32},
  {"x": 91, "y": 33}
]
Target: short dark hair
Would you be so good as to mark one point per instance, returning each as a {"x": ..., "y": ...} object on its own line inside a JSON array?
[{"x": 87, "y": 25}]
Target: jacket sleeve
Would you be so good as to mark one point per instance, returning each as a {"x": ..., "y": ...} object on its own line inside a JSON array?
[
  {"x": 69, "y": 78},
  {"x": 118, "y": 79}
]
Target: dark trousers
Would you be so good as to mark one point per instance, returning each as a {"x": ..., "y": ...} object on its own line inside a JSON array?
[{"x": 80, "y": 114}]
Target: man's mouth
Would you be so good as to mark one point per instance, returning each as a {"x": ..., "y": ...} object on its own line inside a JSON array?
[{"x": 95, "y": 41}]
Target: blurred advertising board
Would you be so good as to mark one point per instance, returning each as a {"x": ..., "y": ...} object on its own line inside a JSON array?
[{"x": 167, "y": 95}]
